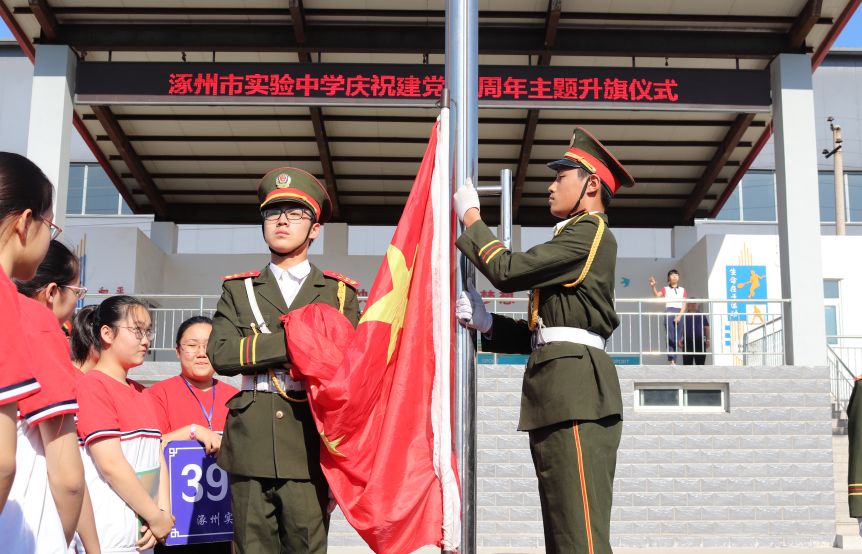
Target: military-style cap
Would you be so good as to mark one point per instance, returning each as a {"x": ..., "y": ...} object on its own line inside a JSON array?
[
  {"x": 587, "y": 152},
  {"x": 289, "y": 184}
]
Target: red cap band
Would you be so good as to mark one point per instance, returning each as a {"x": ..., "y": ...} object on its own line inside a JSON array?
[
  {"x": 598, "y": 167},
  {"x": 293, "y": 194}
]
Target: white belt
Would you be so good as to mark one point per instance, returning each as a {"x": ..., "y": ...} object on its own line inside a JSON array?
[
  {"x": 262, "y": 382},
  {"x": 544, "y": 335}
]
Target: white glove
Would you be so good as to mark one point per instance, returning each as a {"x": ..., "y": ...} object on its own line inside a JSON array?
[
  {"x": 465, "y": 198},
  {"x": 471, "y": 313}
]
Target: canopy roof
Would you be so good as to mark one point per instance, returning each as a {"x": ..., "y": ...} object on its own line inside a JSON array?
[{"x": 193, "y": 163}]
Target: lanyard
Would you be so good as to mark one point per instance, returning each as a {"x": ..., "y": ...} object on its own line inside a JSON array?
[{"x": 208, "y": 416}]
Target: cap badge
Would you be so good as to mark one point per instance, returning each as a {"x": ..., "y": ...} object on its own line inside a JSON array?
[{"x": 282, "y": 181}]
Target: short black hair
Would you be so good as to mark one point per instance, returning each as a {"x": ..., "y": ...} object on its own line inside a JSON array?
[
  {"x": 184, "y": 326},
  {"x": 672, "y": 272},
  {"x": 607, "y": 196}
]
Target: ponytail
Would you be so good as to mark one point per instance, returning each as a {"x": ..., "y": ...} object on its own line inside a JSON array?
[{"x": 84, "y": 340}]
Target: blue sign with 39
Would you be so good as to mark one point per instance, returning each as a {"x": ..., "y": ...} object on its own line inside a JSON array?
[{"x": 200, "y": 495}]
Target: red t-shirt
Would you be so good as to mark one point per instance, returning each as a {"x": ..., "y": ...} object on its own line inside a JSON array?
[
  {"x": 179, "y": 406},
  {"x": 16, "y": 371},
  {"x": 52, "y": 365},
  {"x": 108, "y": 408}
]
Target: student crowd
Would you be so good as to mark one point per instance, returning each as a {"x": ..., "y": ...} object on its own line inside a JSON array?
[{"x": 81, "y": 464}]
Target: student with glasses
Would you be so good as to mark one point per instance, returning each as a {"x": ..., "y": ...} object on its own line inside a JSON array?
[
  {"x": 49, "y": 487},
  {"x": 119, "y": 425},
  {"x": 193, "y": 405},
  {"x": 25, "y": 203},
  {"x": 271, "y": 446}
]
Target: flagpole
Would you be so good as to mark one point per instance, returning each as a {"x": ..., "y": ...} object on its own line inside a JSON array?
[{"x": 462, "y": 57}]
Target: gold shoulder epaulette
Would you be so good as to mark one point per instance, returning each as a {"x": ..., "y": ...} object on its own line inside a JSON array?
[
  {"x": 343, "y": 278},
  {"x": 241, "y": 275}
]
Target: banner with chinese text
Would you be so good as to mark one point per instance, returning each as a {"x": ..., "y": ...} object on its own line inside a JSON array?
[{"x": 109, "y": 82}]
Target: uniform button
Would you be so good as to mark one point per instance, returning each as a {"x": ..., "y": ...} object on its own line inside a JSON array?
[{"x": 279, "y": 414}]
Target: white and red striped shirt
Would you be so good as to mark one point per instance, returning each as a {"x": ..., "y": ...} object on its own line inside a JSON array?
[
  {"x": 111, "y": 409},
  {"x": 16, "y": 374},
  {"x": 30, "y": 518}
]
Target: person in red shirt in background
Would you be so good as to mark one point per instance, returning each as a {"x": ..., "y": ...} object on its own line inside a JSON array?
[
  {"x": 26, "y": 228},
  {"x": 192, "y": 405}
]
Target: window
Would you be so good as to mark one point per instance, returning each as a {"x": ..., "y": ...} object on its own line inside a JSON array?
[
  {"x": 101, "y": 196},
  {"x": 91, "y": 192},
  {"x": 853, "y": 196},
  {"x": 753, "y": 199},
  {"x": 831, "y": 307},
  {"x": 75, "y": 199},
  {"x": 826, "y": 185},
  {"x": 710, "y": 397},
  {"x": 730, "y": 211},
  {"x": 758, "y": 196}
]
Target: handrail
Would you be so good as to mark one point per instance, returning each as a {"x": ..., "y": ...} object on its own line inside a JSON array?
[
  {"x": 848, "y": 373},
  {"x": 840, "y": 375},
  {"x": 641, "y": 335}
]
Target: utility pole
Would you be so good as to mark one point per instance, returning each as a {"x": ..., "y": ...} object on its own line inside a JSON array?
[{"x": 838, "y": 160}]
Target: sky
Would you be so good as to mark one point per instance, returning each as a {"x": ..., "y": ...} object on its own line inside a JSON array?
[{"x": 851, "y": 37}]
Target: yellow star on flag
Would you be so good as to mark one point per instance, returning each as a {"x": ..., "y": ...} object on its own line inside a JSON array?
[
  {"x": 332, "y": 445},
  {"x": 392, "y": 306}
]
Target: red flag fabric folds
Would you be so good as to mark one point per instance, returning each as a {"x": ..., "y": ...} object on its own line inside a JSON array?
[{"x": 370, "y": 390}]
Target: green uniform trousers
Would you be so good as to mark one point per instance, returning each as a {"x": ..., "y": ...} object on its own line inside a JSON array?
[
  {"x": 575, "y": 463},
  {"x": 279, "y": 516}
]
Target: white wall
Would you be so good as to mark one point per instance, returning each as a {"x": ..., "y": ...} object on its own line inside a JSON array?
[
  {"x": 841, "y": 260},
  {"x": 111, "y": 256},
  {"x": 16, "y": 81},
  {"x": 15, "y": 85}
]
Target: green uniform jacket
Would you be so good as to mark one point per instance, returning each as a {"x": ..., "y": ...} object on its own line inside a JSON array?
[
  {"x": 854, "y": 471},
  {"x": 563, "y": 381},
  {"x": 266, "y": 435}
]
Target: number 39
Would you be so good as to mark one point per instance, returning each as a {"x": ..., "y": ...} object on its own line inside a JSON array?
[{"x": 216, "y": 482}]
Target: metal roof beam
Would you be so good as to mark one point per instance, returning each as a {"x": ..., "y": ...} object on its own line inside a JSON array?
[
  {"x": 131, "y": 159},
  {"x": 297, "y": 18},
  {"x": 719, "y": 161},
  {"x": 107, "y": 11},
  {"x": 45, "y": 16},
  {"x": 805, "y": 21},
  {"x": 103, "y": 161},
  {"x": 552, "y": 21},
  {"x": 421, "y": 39}
]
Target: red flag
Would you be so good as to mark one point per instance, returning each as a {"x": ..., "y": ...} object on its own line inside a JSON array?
[{"x": 376, "y": 393}]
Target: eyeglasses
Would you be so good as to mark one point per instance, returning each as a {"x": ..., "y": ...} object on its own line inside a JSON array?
[
  {"x": 193, "y": 347},
  {"x": 80, "y": 292},
  {"x": 140, "y": 333},
  {"x": 292, "y": 214},
  {"x": 55, "y": 229}
]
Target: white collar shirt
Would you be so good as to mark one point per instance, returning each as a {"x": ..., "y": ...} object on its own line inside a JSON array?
[{"x": 290, "y": 280}]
